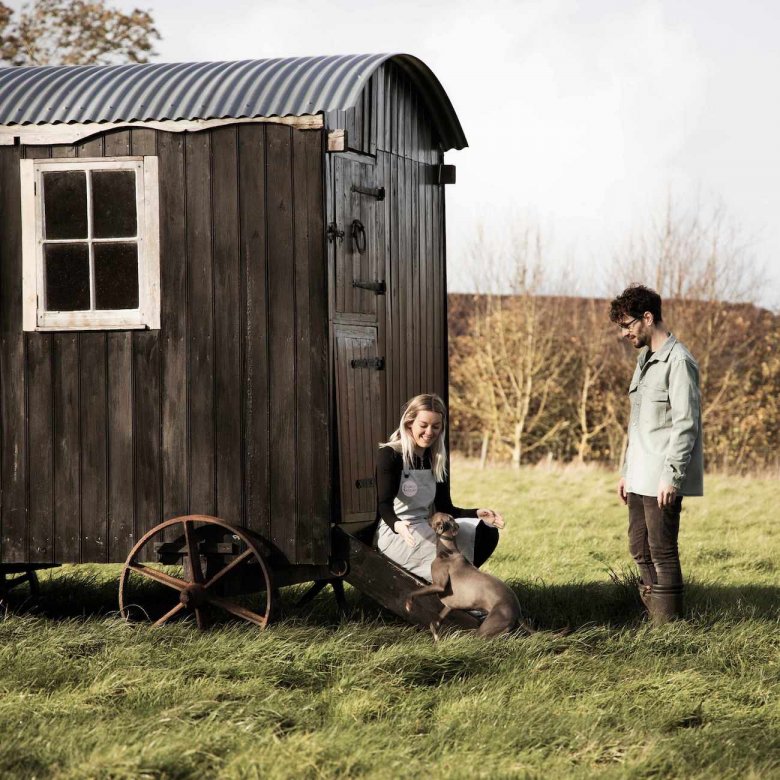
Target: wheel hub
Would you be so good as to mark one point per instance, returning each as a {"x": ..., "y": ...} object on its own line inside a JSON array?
[{"x": 193, "y": 596}]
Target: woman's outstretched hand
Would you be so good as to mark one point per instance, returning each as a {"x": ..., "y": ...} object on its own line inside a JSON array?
[
  {"x": 489, "y": 517},
  {"x": 404, "y": 529}
]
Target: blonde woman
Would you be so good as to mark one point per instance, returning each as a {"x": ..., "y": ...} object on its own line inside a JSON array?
[{"x": 412, "y": 484}]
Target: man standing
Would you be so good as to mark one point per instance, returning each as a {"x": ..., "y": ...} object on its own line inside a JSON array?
[{"x": 663, "y": 460}]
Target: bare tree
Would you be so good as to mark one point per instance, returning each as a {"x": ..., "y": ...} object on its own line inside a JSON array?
[
  {"x": 75, "y": 32},
  {"x": 508, "y": 369},
  {"x": 596, "y": 356},
  {"x": 693, "y": 254}
]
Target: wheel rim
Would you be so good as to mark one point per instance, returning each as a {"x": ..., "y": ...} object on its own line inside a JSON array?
[
  {"x": 197, "y": 590},
  {"x": 11, "y": 581}
]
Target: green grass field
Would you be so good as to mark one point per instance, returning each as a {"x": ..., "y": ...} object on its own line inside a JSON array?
[{"x": 312, "y": 697}]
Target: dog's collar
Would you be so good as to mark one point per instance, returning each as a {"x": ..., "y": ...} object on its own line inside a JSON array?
[{"x": 448, "y": 538}]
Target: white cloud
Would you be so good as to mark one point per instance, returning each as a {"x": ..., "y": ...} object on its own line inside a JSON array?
[{"x": 587, "y": 122}]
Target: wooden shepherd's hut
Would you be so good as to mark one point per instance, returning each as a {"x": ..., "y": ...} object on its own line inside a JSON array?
[{"x": 218, "y": 284}]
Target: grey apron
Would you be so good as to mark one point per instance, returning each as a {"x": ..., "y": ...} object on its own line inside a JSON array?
[{"x": 414, "y": 502}]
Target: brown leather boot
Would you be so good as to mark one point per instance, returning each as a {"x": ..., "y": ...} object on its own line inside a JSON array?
[{"x": 666, "y": 603}]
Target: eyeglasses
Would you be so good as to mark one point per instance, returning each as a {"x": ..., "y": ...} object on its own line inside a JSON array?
[{"x": 627, "y": 325}]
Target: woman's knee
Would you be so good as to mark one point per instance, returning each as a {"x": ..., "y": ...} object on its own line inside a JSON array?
[{"x": 485, "y": 541}]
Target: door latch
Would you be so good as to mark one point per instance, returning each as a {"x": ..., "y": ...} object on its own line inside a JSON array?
[
  {"x": 334, "y": 233},
  {"x": 358, "y": 233}
]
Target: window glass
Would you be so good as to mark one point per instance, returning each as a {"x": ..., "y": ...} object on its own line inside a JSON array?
[
  {"x": 65, "y": 204},
  {"x": 90, "y": 251},
  {"x": 113, "y": 204},
  {"x": 67, "y": 277},
  {"x": 116, "y": 275}
]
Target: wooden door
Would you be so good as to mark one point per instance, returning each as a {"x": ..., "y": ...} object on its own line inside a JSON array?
[
  {"x": 359, "y": 375},
  {"x": 357, "y": 314},
  {"x": 359, "y": 251}
]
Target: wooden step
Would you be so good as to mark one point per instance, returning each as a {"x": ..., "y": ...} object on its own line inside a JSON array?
[{"x": 388, "y": 584}]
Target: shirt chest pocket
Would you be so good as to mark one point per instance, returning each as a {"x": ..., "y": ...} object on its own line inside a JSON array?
[{"x": 655, "y": 408}]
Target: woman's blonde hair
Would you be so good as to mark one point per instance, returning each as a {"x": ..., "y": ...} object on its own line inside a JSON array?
[{"x": 401, "y": 439}]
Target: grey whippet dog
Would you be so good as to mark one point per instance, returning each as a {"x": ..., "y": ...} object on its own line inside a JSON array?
[{"x": 461, "y": 585}]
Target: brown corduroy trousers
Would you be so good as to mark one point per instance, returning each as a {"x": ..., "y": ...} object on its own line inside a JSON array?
[{"x": 652, "y": 539}]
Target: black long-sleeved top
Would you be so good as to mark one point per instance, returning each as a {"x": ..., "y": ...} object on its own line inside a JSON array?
[{"x": 388, "y": 479}]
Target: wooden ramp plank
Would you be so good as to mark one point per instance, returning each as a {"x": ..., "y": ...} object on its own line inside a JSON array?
[{"x": 378, "y": 577}]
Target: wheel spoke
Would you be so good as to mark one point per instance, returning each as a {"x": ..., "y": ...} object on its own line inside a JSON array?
[
  {"x": 16, "y": 579},
  {"x": 237, "y": 610},
  {"x": 158, "y": 576},
  {"x": 192, "y": 551},
  {"x": 232, "y": 565},
  {"x": 200, "y": 618},
  {"x": 168, "y": 615}
]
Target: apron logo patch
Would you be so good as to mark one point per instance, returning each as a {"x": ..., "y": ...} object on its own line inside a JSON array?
[{"x": 409, "y": 488}]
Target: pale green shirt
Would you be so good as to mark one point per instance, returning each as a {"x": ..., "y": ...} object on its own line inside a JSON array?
[{"x": 664, "y": 433}]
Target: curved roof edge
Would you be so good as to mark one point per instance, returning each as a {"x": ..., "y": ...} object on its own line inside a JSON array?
[{"x": 210, "y": 90}]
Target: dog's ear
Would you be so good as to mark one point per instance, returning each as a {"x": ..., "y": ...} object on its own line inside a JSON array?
[{"x": 435, "y": 520}]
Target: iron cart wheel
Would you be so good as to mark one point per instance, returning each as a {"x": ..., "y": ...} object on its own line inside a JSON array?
[
  {"x": 234, "y": 567},
  {"x": 11, "y": 580}
]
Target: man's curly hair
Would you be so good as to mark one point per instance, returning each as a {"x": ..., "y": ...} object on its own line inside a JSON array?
[{"x": 633, "y": 302}]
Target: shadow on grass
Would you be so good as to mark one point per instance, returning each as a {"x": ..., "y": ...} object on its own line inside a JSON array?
[{"x": 614, "y": 601}]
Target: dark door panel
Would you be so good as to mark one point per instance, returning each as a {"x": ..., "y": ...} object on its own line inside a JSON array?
[{"x": 359, "y": 376}]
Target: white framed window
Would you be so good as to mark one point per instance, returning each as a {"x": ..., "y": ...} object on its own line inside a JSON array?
[{"x": 91, "y": 247}]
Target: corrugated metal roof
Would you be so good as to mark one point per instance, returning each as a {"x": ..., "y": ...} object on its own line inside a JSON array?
[{"x": 209, "y": 90}]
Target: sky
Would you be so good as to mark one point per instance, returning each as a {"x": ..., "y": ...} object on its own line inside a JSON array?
[{"x": 583, "y": 118}]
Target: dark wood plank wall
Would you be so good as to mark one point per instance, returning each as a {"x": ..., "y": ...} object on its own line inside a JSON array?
[
  {"x": 312, "y": 396},
  {"x": 416, "y": 320},
  {"x": 222, "y": 411},
  {"x": 13, "y": 450},
  {"x": 402, "y": 136}
]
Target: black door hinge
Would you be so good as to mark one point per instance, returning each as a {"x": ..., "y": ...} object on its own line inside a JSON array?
[
  {"x": 377, "y": 363},
  {"x": 372, "y": 192},
  {"x": 380, "y": 288}
]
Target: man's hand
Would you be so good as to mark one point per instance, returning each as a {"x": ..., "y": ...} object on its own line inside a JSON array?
[
  {"x": 489, "y": 517},
  {"x": 404, "y": 529},
  {"x": 621, "y": 490},
  {"x": 666, "y": 495}
]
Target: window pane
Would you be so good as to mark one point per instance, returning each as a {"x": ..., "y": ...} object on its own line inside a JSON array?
[
  {"x": 65, "y": 204},
  {"x": 67, "y": 277},
  {"x": 113, "y": 204},
  {"x": 116, "y": 276}
]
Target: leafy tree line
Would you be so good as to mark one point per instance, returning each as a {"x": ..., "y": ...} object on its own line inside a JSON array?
[
  {"x": 75, "y": 32},
  {"x": 535, "y": 376}
]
